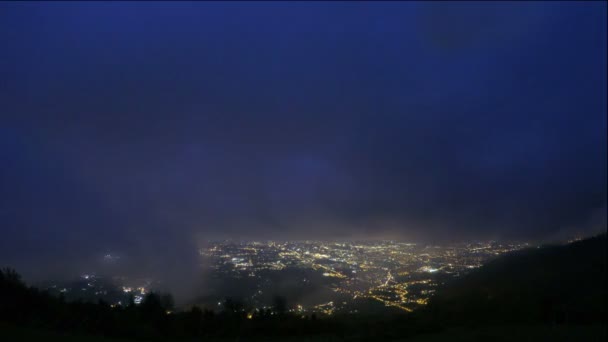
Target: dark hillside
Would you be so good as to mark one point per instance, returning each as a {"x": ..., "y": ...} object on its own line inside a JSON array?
[{"x": 553, "y": 284}]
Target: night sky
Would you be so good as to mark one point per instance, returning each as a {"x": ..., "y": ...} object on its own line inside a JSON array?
[{"x": 147, "y": 128}]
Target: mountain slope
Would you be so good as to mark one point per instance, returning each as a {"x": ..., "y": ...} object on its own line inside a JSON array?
[{"x": 554, "y": 284}]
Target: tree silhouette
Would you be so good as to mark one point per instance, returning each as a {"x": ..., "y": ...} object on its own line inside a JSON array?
[
  {"x": 280, "y": 305},
  {"x": 10, "y": 277},
  {"x": 167, "y": 302},
  {"x": 232, "y": 305}
]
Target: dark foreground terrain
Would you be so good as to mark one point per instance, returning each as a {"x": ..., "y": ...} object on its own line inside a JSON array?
[
  {"x": 553, "y": 293},
  {"x": 507, "y": 333}
]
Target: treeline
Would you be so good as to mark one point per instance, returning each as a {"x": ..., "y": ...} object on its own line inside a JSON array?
[{"x": 153, "y": 319}]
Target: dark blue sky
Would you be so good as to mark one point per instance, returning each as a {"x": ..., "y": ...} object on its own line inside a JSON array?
[{"x": 138, "y": 125}]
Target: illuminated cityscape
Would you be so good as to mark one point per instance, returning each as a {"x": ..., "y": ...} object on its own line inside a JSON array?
[
  {"x": 115, "y": 290},
  {"x": 345, "y": 276},
  {"x": 315, "y": 277}
]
